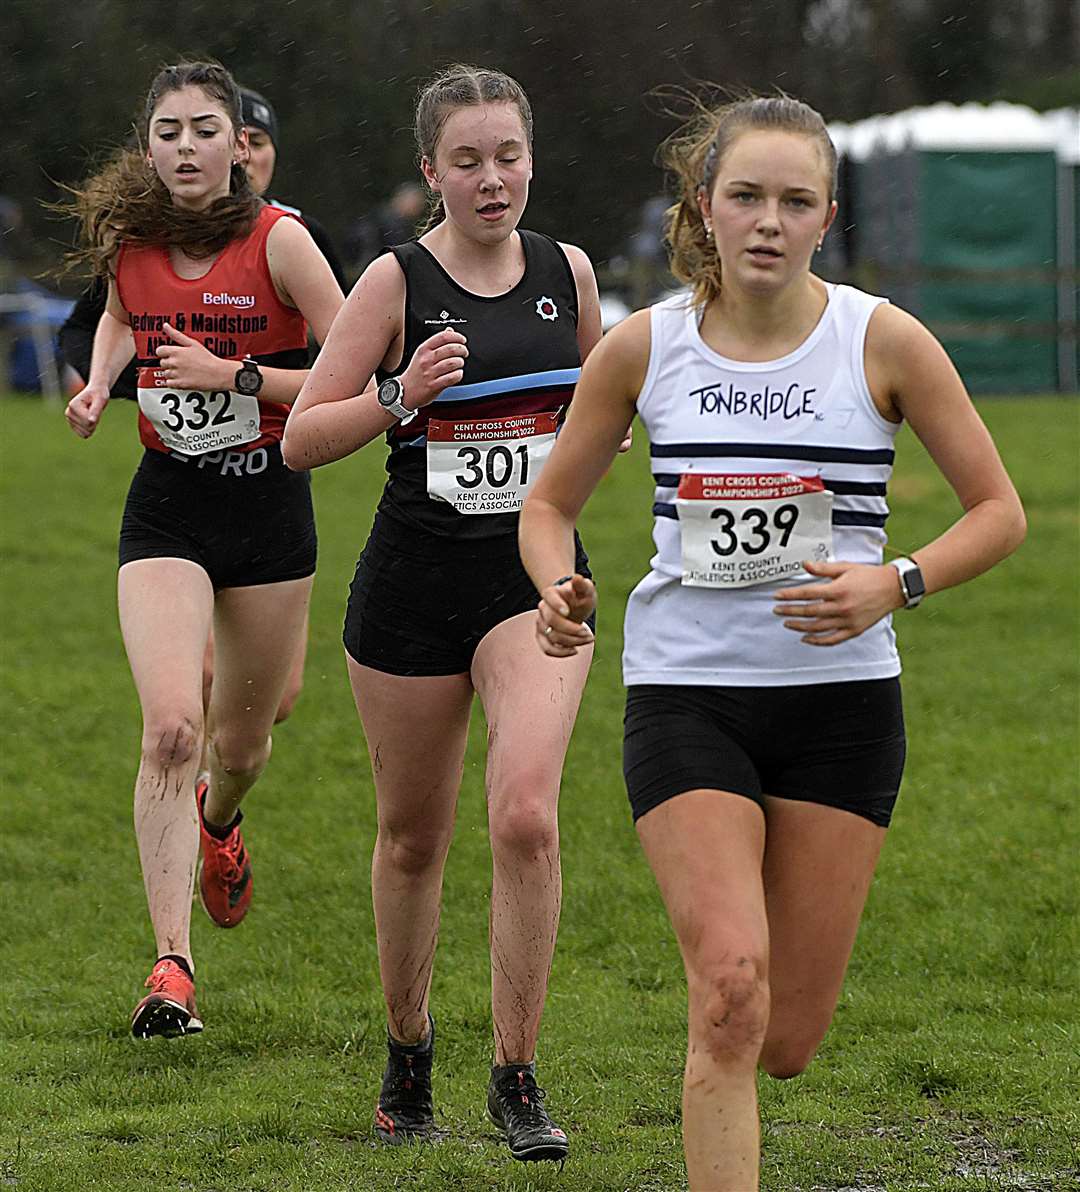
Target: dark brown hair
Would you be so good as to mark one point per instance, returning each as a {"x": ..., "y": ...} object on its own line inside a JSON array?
[
  {"x": 461, "y": 86},
  {"x": 693, "y": 154},
  {"x": 126, "y": 202}
]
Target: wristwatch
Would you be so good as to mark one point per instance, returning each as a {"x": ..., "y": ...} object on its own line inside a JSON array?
[
  {"x": 248, "y": 380},
  {"x": 912, "y": 583},
  {"x": 390, "y": 393}
]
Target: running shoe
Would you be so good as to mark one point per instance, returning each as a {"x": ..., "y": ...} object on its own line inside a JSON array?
[
  {"x": 169, "y": 1008},
  {"x": 405, "y": 1112},
  {"x": 225, "y": 870},
  {"x": 516, "y": 1106}
]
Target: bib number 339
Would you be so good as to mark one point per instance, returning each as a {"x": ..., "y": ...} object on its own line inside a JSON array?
[
  {"x": 742, "y": 530},
  {"x": 487, "y": 466},
  {"x": 192, "y": 421}
]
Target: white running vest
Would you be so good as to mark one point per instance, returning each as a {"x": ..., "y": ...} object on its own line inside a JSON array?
[{"x": 808, "y": 414}]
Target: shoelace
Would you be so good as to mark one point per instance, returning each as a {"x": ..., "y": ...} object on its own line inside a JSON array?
[
  {"x": 527, "y": 1100},
  {"x": 160, "y": 977},
  {"x": 229, "y": 851}
]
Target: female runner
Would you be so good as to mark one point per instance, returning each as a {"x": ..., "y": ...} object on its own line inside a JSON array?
[
  {"x": 212, "y": 290},
  {"x": 764, "y": 736},
  {"x": 476, "y": 332}
]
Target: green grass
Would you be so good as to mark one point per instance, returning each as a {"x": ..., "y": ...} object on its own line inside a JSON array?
[{"x": 952, "y": 1063}]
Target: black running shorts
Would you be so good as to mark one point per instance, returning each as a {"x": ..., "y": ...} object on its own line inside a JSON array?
[
  {"x": 421, "y": 603},
  {"x": 242, "y": 516},
  {"x": 838, "y": 744}
]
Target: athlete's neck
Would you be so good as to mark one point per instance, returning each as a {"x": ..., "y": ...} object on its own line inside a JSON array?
[
  {"x": 485, "y": 269},
  {"x": 748, "y": 326}
]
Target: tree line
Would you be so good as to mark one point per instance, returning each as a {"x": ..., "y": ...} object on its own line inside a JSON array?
[{"x": 343, "y": 74}]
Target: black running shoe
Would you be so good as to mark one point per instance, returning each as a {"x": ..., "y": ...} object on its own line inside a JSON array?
[
  {"x": 405, "y": 1112},
  {"x": 516, "y": 1105}
]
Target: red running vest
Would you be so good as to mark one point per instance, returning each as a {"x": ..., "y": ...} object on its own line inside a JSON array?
[{"x": 233, "y": 310}]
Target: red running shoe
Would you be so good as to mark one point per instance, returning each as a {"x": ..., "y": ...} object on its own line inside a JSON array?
[
  {"x": 169, "y": 1008},
  {"x": 225, "y": 872}
]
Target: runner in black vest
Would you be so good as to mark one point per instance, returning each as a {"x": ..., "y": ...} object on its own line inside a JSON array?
[{"x": 477, "y": 332}]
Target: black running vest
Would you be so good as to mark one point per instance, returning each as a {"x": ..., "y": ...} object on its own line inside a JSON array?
[{"x": 523, "y": 359}]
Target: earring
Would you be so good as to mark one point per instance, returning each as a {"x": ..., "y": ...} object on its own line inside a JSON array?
[{"x": 708, "y": 231}]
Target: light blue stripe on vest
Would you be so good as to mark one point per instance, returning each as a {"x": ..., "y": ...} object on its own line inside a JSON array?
[{"x": 540, "y": 380}]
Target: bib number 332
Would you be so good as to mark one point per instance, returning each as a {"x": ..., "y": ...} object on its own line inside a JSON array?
[
  {"x": 192, "y": 421},
  {"x": 742, "y": 530},
  {"x": 487, "y": 466}
]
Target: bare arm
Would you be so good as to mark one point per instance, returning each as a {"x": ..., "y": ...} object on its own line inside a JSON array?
[
  {"x": 930, "y": 395},
  {"x": 336, "y": 413},
  {"x": 303, "y": 280},
  {"x": 600, "y": 415},
  {"x": 910, "y": 372},
  {"x": 589, "y": 327},
  {"x": 114, "y": 346}
]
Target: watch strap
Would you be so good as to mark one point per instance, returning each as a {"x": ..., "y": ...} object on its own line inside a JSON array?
[{"x": 912, "y": 584}]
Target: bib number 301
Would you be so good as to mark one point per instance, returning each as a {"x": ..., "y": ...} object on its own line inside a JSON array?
[
  {"x": 742, "y": 530},
  {"x": 487, "y": 466},
  {"x": 192, "y": 421}
]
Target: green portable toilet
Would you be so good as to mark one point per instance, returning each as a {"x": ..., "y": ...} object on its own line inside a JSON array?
[{"x": 959, "y": 215}]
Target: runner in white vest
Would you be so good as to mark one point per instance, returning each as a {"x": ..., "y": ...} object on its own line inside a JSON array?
[{"x": 764, "y": 734}]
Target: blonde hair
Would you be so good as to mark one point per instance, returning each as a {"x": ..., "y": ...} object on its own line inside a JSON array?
[
  {"x": 126, "y": 202},
  {"x": 461, "y": 86},
  {"x": 693, "y": 154}
]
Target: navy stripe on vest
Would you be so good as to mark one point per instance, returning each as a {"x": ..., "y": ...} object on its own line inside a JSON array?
[
  {"x": 825, "y": 455},
  {"x": 840, "y": 517}
]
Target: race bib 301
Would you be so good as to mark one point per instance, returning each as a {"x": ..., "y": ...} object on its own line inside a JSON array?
[{"x": 489, "y": 465}]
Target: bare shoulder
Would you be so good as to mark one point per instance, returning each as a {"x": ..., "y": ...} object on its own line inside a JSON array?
[
  {"x": 905, "y": 363},
  {"x": 578, "y": 258},
  {"x": 288, "y": 231},
  {"x": 893, "y": 331},
  {"x": 381, "y": 282}
]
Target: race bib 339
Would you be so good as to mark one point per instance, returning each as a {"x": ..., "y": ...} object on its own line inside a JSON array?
[{"x": 743, "y": 529}]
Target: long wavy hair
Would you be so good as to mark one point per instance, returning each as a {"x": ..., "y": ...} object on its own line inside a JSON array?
[
  {"x": 126, "y": 202},
  {"x": 693, "y": 154},
  {"x": 461, "y": 86}
]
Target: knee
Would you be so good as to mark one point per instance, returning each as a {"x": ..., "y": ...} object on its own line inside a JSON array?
[
  {"x": 412, "y": 851},
  {"x": 729, "y": 1010},
  {"x": 525, "y": 826},
  {"x": 172, "y": 739},
  {"x": 239, "y": 754}
]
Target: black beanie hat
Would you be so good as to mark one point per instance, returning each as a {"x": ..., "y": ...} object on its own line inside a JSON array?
[{"x": 256, "y": 112}]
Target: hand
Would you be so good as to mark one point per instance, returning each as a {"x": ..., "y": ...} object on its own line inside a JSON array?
[
  {"x": 561, "y": 613},
  {"x": 84, "y": 410},
  {"x": 187, "y": 364},
  {"x": 857, "y": 596},
  {"x": 437, "y": 363},
  {"x": 628, "y": 442}
]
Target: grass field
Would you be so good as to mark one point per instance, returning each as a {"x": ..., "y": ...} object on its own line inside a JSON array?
[{"x": 953, "y": 1061}]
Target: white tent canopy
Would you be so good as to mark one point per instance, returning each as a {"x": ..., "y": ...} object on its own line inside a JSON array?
[{"x": 1005, "y": 127}]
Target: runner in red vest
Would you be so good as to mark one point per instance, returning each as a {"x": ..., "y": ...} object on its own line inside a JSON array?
[{"x": 212, "y": 290}]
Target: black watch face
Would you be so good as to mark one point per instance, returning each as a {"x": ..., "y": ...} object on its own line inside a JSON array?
[
  {"x": 248, "y": 380},
  {"x": 389, "y": 391},
  {"x": 914, "y": 584}
]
